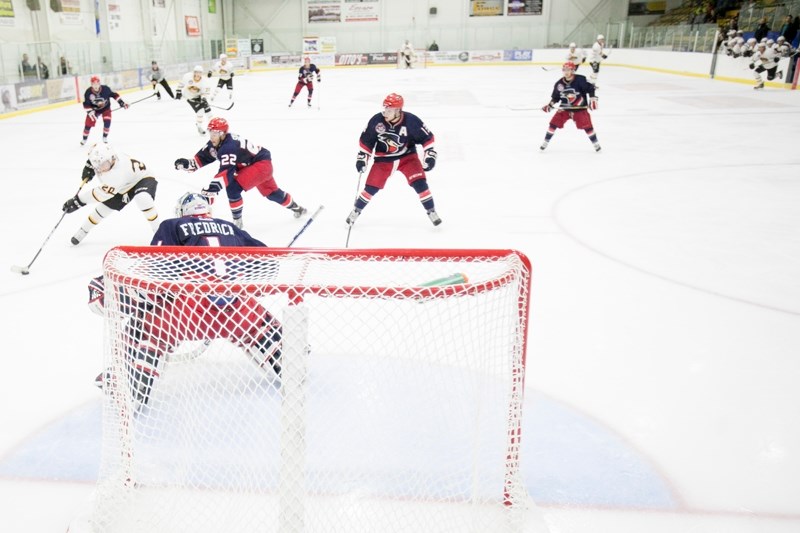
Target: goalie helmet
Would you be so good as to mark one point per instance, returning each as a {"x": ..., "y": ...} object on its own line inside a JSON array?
[
  {"x": 192, "y": 204},
  {"x": 102, "y": 157},
  {"x": 393, "y": 100},
  {"x": 218, "y": 124}
]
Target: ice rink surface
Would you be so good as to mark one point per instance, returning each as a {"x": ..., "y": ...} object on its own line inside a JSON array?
[{"x": 662, "y": 379}]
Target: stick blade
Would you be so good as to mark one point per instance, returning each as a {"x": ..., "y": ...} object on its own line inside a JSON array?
[{"x": 20, "y": 270}]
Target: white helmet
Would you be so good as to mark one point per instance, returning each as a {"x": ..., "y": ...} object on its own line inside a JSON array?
[
  {"x": 102, "y": 157},
  {"x": 601, "y": 37},
  {"x": 192, "y": 204},
  {"x": 751, "y": 41},
  {"x": 572, "y": 45},
  {"x": 223, "y": 56},
  {"x": 198, "y": 68}
]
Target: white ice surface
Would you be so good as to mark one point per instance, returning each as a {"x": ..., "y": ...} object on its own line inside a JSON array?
[{"x": 666, "y": 295}]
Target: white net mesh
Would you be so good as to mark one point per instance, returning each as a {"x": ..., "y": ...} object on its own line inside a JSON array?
[{"x": 308, "y": 391}]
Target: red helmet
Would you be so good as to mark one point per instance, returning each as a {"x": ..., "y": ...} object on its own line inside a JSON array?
[
  {"x": 94, "y": 79},
  {"x": 569, "y": 65},
  {"x": 218, "y": 124},
  {"x": 393, "y": 100}
]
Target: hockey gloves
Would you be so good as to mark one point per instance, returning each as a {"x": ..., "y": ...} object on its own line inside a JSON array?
[
  {"x": 122, "y": 104},
  {"x": 72, "y": 205},
  {"x": 548, "y": 107},
  {"x": 88, "y": 172},
  {"x": 430, "y": 159},
  {"x": 178, "y": 94},
  {"x": 189, "y": 165},
  {"x": 212, "y": 189},
  {"x": 593, "y": 103},
  {"x": 361, "y": 161}
]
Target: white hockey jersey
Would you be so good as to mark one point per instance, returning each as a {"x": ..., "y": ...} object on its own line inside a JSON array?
[
  {"x": 120, "y": 179},
  {"x": 597, "y": 54},
  {"x": 223, "y": 70},
  {"x": 194, "y": 89},
  {"x": 576, "y": 55}
]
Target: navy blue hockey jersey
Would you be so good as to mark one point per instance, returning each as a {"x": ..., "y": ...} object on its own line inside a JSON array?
[
  {"x": 392, "y": 141},
  {"x": 201, "y": 231}
]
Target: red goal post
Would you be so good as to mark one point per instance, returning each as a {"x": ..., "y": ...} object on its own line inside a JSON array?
[{"x": 396, "y": 404}]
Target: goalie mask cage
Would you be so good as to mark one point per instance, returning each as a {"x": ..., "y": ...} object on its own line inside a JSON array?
[{"x": 396, "y": 405}]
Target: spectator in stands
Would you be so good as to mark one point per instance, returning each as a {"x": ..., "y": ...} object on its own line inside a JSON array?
[
  {"x": 63, "y": 67},
  {"x": 28, "y": 70},
  {"x": 433, "y": 47},
  {"x": 762, "y": 30},
  {"x": 711, "y": 15},
  {"x": 789, "y": 28},
  {"x": 44, "y": 72}
]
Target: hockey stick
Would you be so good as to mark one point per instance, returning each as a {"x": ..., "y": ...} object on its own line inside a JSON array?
[
  {"x": 27, "y": 270},
  {"x": 309, "y": 221},
  {"x": 129, "y": 103},
  {"x": 222, "y": 107},
  {"x": 551, "y": 69},
  {"x": 350, "y": 228}
]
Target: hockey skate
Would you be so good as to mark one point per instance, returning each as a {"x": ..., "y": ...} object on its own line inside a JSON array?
[
  {"x": 201, "y": 130},
  {"x": 238, "y": 222},
  {"x": 351, "y": 218},
  {"x": 78, "y": 237},
  {"x": 759, "y": 86},
  {"x": 597, "y": 147},
  {"x": 299, "y": 211},
  {"x": 434, "y": 217},
  {"x": 544, "y": 145}
]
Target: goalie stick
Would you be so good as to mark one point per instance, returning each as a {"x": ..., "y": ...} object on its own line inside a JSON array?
[
  {"x": 308, "y": 222},
  {"x": 27, "y": 269}
]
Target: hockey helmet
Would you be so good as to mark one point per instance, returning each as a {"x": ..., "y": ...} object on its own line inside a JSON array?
[
  {"x": 218, "y": 124},
  {"x": 94, "y": 79},
  {"x": 601, "y": 37},
  {"x": 393, "y": 100},
  {"x": 751, "y": 41},
  {"x": 572, "y": 45},
  {"x": 192, "y": 204},
  {"x": 197, "y": 69},
  {"x": 569, "y": 65},
  {"x": 223, "y": 56},
  {"x": 102, "y": 157}
]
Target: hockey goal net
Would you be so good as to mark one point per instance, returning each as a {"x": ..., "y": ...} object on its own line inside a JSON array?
[
  {"x": 418, "y": 59},
  {"x": 278, "y": 390}
]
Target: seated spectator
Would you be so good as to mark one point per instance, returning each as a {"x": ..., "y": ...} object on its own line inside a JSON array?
[
  {"x": 63, "y": 67},
  {"x": 433, "y": 47},
  {"x": 44, "y": 72},
  {"x": 28, "y": 70}
]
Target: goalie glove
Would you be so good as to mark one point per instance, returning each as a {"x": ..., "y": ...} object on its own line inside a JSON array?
[
  {"x": 548, "y": 107},
  {"x": 430, "y": 159},
  {"x": 361, "y": 161},
  {"x": 72, "y": 205},
  {"x": 178, "y": 94},
  {"x": 189, "y": 165},
  {"x": 593, "y": 103}
]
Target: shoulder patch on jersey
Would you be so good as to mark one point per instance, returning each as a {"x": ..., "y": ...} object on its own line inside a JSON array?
[{"x": 380, "y": 127}]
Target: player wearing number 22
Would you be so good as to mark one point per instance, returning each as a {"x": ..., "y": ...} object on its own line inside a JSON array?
[
  {"x": 574, "y": 96},
  {"x": 242, "y": 166},
  {"x": 159, "y": 323},
  {"x": 393, "y": 136}
]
